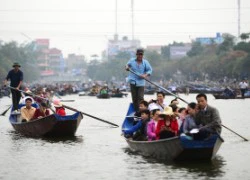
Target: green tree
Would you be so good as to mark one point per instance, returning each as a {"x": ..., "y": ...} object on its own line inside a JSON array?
[
  {"x": 24, "y": 54},
  {"x": 244, "y": 36},
  {"x": 196, "y": 49},
  {"x": 227, "y": 44}
]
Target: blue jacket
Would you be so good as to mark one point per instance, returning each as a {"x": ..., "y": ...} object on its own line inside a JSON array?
[
  {"x": 134, "y": 128},
  {"x": 143, "y": 68}
]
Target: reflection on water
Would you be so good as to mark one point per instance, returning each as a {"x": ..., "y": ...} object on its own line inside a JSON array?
[
  {"x": 15, "y": 136},
  {"x": 211, "y": 169},
  {"x": 65, "y": 140},
  {"x": 99, "y": 152}
]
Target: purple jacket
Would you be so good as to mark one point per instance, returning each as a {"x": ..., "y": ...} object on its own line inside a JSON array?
[{"x": 151, "y": 130}]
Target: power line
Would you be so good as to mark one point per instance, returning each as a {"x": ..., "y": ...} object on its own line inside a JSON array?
[
  {"x": 120, "y": 10},
  {"x": 96, "y": 23}
]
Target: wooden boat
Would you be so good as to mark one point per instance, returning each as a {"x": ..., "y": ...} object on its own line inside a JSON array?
[
  {"x": 222, "y": 96},
  {"x": 82, "y": 93},
  {"x": 118, "y": 95},
  {"x": 149, "y": 92},
  {"x": 175, "y": 148},
  {"x": 49, "y": 126},
  {"x": 103, "y": 96}
]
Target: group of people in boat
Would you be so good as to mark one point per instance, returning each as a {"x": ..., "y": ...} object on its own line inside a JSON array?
[
  {"x": 158, "y": 120},
  {"x": 29, "y": 112},
  {"x": 95, "y": 90}
]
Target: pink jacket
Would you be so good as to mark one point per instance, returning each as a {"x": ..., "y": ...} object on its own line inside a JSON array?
[{"x": 151, "y": 130}]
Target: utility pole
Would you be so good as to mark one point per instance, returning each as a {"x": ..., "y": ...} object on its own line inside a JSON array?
[
  {"x": 132, "y": 15},
  {"x": 238, "y": 18},
  {"x": 116, "y": 33}
]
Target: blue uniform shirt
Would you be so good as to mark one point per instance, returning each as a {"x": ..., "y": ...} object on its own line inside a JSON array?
[
  {"x": 142, "y": 68},
  {"x": 15, "y": 77}
]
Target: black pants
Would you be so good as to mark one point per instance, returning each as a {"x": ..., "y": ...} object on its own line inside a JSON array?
[
  {"x": 243, "y": 93},
  {"x": 16, "y": 96},
  {"x": 137, "y": 94}
]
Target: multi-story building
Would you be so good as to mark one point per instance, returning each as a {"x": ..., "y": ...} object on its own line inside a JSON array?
[
  {"x": 42, "y": 47},
  {"x": 76, "y": 64},
  {"x": 125, "y": 45},
  {"x": 56, "y": 61},
  {"x": 210, "y": 40},
  {"x": 178, "y": 52}
]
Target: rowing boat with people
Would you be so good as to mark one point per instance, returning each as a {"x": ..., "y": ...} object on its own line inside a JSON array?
[
  {"x": 177, "y": 148},
  {"x": 53, "y": 125}
]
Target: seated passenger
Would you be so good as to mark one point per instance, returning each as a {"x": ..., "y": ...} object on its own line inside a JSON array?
[
  {"x": 207, "y": 119},
  {"x": 182, "y": 115},
  {"x": 27, "y": 111},
  {"x": 143, "y": 105},
  {"x": 41, "y": 112},
  {"x": 60, "y": 110},
  {"x": 152, "y": 124},
  {"x": 104, "y": 89},
  {"x": 174, "y": 122},
  {"x": 159, "y": 101},
  {"x": 138, "y": 131},
  {"x": 189, "y": 122},
  {"x": 23, "y": 101},
  {"x": 164, "y": 129}
]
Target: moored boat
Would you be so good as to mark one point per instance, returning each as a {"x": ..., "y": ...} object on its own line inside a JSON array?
[
  {"x": 176, "y": 148},
  {"x": 103, "y": 96},
  {"x": 49, "y": 126},
  {"x": 118, "y": 95}
]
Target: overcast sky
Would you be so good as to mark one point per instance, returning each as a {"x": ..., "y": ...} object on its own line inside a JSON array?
[{"x": 84, "y": 26}]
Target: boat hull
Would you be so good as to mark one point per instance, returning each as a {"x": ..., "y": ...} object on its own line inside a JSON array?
[
  {"x": 179, "y": 148},
  {"x": 50, "y": 126},
  {"x": 174, "y": 149},
  {"x": 103, "y": 96},
  {"x": 219, "y": 96}
]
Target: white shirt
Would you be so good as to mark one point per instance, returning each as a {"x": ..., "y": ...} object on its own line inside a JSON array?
[{"x": 243, "y": 85}]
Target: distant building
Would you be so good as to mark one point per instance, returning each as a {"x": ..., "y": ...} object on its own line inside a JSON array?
[
  {"x": 76, "y": 64},
  {"x": 178, "y": 52},
  {"x": 56, "y": 61},
  {"x": 125, "y": 45},
  {"x": 50, "y": 61},
  {"x": 210, "y": 40},
  {"x": 156, "y": 48},
  {"x": 42, "y": 47}
]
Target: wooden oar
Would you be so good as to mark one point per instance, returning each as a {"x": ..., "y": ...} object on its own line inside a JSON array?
[
  {"x": 182, "y": 100},
  {"x": 73, "y": 109},
  {"x": 67, "y": 100},
  {"x": 234, "y": 132},
  {"x": 3, "y": 113},
  {"x": 99, "y": 119}
]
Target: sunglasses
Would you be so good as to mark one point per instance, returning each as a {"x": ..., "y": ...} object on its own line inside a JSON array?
[{"x": 140, "y": 54}]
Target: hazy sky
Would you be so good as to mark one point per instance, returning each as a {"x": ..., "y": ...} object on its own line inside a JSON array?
[{"x": 84, "y": 26}]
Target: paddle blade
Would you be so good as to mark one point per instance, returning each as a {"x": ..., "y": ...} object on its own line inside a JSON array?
[{"x": 3, "y": 114}]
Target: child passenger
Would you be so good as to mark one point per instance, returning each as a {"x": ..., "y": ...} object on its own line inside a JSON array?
[
  {"x": 138, "y": 131},
  {"x": 152, "y": 124},
  {"x": 60, "y": 110}
]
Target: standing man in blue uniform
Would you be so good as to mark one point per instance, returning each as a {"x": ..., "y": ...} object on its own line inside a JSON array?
[
  {"x": 16, "y": 78},
  {"x": 137, "y": 83}
]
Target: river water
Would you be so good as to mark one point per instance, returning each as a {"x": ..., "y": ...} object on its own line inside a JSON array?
[{"x": 99, "y": 151}]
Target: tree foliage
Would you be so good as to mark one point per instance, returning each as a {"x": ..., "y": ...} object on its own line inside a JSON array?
[{"x": 24, "y": 54}]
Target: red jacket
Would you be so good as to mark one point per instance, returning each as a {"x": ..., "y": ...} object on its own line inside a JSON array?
[
  {"x": 161, "y": 123},
  {"x": 39, "y": 113},
  {"x": 61, "y": 111},
  {"x": 174, "y": 126}
]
